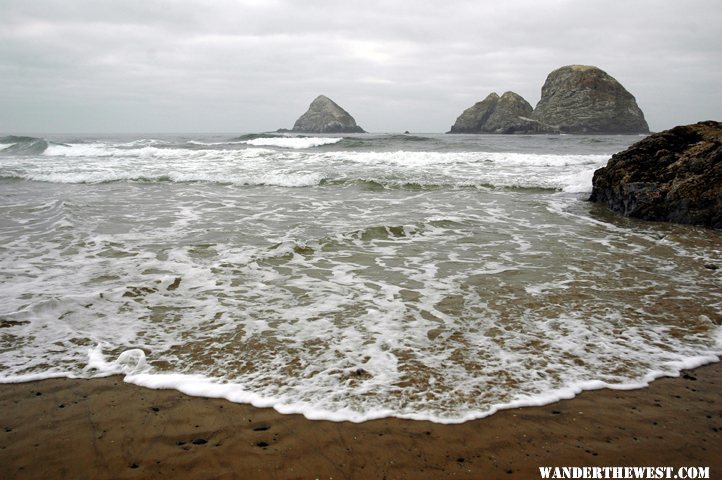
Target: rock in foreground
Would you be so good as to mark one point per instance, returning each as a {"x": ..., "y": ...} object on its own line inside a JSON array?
[
  {"x": 673, "y": 176},
  {"x": 325, "y": 116},
  {"x": 506, "y": 114},
  {"x": 586, "y": 100}
]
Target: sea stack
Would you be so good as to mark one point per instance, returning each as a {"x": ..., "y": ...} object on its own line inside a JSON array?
[
  {"x": 673, "y": 176},
  {"x": 586, "y": 100},
  {"x": 506, "y": 114},
  {"x": 325, "y": 116}
]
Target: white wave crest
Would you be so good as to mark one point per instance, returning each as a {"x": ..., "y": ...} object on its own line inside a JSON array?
[
  {"x": 580, "y": 182},
  {"x": 213, "y": 144},
  {"x": 273, "y": 179},
  {"x": 543, "y": 160},
  {"x": 100, "y": 150},
  {"x": 293, "y": 142}
]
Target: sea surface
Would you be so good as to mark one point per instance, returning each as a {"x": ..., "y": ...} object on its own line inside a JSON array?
[{"x": 437, "y": 277}]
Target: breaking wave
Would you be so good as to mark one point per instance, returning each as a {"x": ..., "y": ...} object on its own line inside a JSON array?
[
  {"x": 293, "y": 162},
  {"x": 15, "y": 145},
  {"x": 293, "y": 142}
]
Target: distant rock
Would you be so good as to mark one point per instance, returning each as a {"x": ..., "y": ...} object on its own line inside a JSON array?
[
  {"x": 586, "y": 100},
  {"x": 325, "y": 116},
  {"x": 506, "y": 114},
  {"x": 673, "y": 176},
  {"x": 474, "y": 118}
]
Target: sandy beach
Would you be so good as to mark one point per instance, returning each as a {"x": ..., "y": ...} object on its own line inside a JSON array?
[{"x": 104, "y": 428}]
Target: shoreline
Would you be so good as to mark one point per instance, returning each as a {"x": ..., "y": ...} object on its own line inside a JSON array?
[{"x": 105, "y": 428}]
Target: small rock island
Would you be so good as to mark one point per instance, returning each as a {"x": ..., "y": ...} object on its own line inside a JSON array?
[
  {"x": 673, "y": 176},
  {"x": 506, "y": 114},
  {"x": 325, "y": 116}
]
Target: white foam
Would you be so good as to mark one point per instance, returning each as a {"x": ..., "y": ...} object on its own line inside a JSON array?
[
  {"x": 213, "y": 144},
  {"x": 85, "y": 150},
  {"x": 346, "y": 301},
  {"x": 296, "y": 166},
  {"x": 559, "y": 172},
  {"x": 293, "y": 142},
  {"x": 579, "y": 182},
  {"x": 319, "y": 380},
  {"x": 99, "y": 150},
  {"x": 200, "y": 386},
  {"x": 544, "y": 160},
  {"x": 129, "y": 362},
  {"x": 102, "y": 164}
]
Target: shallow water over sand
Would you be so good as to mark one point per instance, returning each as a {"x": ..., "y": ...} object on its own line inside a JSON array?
[{"x": 434, "y": 277}]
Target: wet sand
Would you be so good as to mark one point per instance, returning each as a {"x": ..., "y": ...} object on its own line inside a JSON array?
[{"x": 106, "y": 429}]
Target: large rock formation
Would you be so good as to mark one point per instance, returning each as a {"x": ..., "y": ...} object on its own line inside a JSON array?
[
  {"x": 675, "y": 176},
  {"x": 584, "y": 99},
  {"x": 325, "y": 116},
  {"x": 506, "y": 114}
]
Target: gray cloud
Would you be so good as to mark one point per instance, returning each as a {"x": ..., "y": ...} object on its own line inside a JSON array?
[{"x": 252, "y": 65}]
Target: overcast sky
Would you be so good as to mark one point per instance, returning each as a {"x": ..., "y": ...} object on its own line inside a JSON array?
[{"x": 144, "y": 66}]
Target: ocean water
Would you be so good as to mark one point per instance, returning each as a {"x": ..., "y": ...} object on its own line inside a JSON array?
[{"x": 437, "y": 277}]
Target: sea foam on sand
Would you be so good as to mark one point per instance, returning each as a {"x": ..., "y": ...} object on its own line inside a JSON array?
[{"x": 132, "y": 363}]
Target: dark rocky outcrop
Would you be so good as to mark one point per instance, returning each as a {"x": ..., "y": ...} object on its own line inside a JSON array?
[
  {"x": 325, "y": 116},
  {"x": 674, "y": 176},
  {"x": 584, "y": 99},
  {"x": 506, "y": 114}
]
